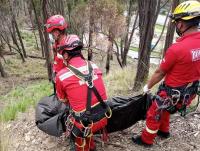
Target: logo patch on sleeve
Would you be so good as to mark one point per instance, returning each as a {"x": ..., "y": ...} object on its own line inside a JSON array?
[{"x": 195, "y": 54}]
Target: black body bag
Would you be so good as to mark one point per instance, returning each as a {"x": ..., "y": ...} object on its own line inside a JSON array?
[
  {"x": 126, "y": 111},
  {"x": 49, "y": 115}
]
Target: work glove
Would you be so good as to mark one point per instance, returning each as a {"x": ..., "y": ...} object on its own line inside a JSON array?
[{"x": 146, "y": 89}]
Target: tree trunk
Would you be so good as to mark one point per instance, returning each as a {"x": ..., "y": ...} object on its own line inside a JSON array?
[
  {"x": 128, "y": 41},
  {"x": 62, "y": 8},
  {"x": 33, "y": 26},
  {"x": 170, "y": 29},
  {"x": 109, "y": 52},
  {"x": 46, "y": 44},
  {"x": 148, "y": 13},
  {"x": 3, "y": 73},
  {"x": 91, "y": 30},
  {"x": 39, "y": 28},
  {"x": 6, "y": 39},
  {"x": 15, "y": 27},
  {"x": 19, "y": 36},
  {"x": 166, "y": 18}
]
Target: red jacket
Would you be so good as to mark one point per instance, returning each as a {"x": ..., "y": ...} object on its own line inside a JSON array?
[
  {"x": 182, "y": 61},
  {"x": 73, "y": 89},
  {"x": 58, "y": 59}
]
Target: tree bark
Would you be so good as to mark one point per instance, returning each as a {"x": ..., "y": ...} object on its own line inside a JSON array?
[
  {"x": 109, "y": 51},
  {"x": 6, "y": 39},
  {"x": 170, "y": 29},
  {"x": 39, "y": 29},
  {"x": 2, "y": 71},
  {"x": 19, "y": 36},
  {"x": 128, "y": 41},
  {"x": 148, "y": 13},
  {"x": 46, "y": 44},
  {"x": 161, "y": 32},
  {"x": 91, "y": 30},
  {"x": 15, "y": 27},
  {"x": 33, "y": 26}
]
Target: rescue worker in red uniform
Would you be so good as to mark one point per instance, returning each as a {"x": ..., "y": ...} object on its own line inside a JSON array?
[
  {"x": 180, "y": 69},
  {"x": 56, "y": 27},
  {"x": 80, "y": 84}
]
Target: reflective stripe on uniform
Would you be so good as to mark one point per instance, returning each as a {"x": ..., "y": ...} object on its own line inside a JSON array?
[
  {"x": 69, "y": 73},
  {"x": 151, "y": 131},
  {"x": 59, "y": 56},
  {"x": 81, "y": 111}
]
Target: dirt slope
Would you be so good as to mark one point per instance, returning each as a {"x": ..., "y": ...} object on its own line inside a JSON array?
[{"x": 25, "y": 136}]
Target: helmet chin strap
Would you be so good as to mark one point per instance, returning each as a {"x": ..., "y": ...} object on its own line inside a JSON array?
[
  {"x": 58, "y": 37},
  {"x": 66, "y": 61},
  {"x": 187, "y": 29},
  {"x": 181, "y": 33}
]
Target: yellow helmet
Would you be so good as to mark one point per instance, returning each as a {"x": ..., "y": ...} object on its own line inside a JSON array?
[{"x": 186, "y": 10}]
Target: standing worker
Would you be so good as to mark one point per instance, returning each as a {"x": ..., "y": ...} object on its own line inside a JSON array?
[
  {"x": 180, "y": 69},
  {"x": 80, "y": 84},
  {"x": 56, "y": 27}
]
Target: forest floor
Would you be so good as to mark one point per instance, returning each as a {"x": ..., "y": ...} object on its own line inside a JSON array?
[{"x": 22, "y": 134}]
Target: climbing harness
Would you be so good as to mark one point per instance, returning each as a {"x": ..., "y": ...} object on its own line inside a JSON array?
[
  {"x": 179, "y": 96},
  {"x": 80, "y": 123}
]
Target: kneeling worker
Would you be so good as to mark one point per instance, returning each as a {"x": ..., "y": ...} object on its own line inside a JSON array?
[{"x": 80, "y": 84}]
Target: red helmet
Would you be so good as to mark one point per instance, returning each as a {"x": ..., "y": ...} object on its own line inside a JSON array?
[
  {"x": 55, "y": 22},
  {"x": 72, "y": 42}
]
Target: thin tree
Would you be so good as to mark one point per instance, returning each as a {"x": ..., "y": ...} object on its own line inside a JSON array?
[
  {"x": 109, "y": 50},
  {"x": 170, "y": 29},
  {"x": 17, "y": 30},
  {"x": 148, "y": 13},
  {"x": 39, "y": 27},
  {"x": 91, "y": 28},
  {"x": 2, "y": 71},
  {"x": 46, "y": 43},
  {"x": 30, "y": 8},
  {"x": 128, "y": 37}
]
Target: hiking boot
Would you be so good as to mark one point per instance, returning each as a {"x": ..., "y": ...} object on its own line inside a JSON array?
[
  {"x": 163, "y": 134},
  {"x": 137, "y": 140}
]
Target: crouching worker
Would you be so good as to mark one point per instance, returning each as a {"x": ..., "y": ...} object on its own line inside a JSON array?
[
  {"x": 180, "y": 69},
  {"x": 80, "y": 84}
]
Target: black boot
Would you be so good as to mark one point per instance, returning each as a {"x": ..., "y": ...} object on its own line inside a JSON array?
[
  {"x": 163, "y": 134},
  {"x": 137, "y": 140}
]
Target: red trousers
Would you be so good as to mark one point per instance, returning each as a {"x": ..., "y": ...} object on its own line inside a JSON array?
[
  {"x": 157, "y": 120},
  {"x": 87, "y": 144}
]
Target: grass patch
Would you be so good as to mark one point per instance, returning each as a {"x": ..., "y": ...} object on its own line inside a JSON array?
[
  {"x": 16, "y": 67},
  {"x": 20, "y": 99},
  {"x": 134, "y": 48},
  {"x": 120, "y": 81}
]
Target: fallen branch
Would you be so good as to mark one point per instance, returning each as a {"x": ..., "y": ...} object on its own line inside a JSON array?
[
  {"x": 30, "y": 56},
  {"x": 37, "y": 57},
  {"x": 37, "y": 78}
]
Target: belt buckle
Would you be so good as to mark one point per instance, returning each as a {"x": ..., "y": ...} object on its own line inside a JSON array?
[
  {"x": 175, "y": 97},
  {"x": 87, "y": 131},
  {"x": 77, "y": 114}
]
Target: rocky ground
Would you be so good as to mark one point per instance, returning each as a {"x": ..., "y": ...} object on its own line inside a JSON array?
[{"x": 25, "y": 136}]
